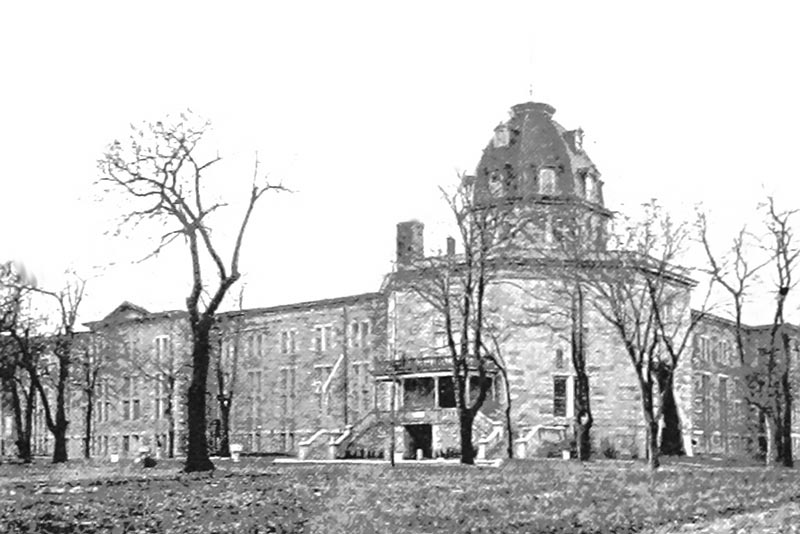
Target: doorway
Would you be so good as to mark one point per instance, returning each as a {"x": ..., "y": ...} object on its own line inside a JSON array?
[{"x": 418, "y": 437}]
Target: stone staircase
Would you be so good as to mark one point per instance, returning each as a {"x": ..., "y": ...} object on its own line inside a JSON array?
[
  {"x": 531, "y": 439},
  {"x": 359, "y": 440}
]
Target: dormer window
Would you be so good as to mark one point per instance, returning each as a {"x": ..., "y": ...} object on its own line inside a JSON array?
[
  {"x": 547, "y": 181},
  {"x": 577, "y": 140},
  {"x": 495, "y": 184},
  {"x": 590, "y": 188},
  {"x": 501, "y": 136},
  {"x": 580, "y": 183}
]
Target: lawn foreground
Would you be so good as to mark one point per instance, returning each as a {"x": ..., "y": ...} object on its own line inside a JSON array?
[{"x": 520, "y": 496}]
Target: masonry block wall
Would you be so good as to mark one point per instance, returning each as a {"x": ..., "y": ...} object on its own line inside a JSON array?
[
  {"x": 139, "y": 397},
  {"x": 295, "y": 364}
]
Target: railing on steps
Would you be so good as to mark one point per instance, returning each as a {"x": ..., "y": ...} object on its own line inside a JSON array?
[
  {"x": 484, "y": 443},
  {"x": 523, "y": 443},
  {"x": 304, "y": 446},
  {"x": 336, "y": 441}
]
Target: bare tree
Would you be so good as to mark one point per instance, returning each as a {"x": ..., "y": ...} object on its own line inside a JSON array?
[
  {"x": 737, "y": 272},
  {"x": 631, "y": 287},
  {"x": 576, "y": 242},
  {"x": 455, "y": 286},
  {"x": 160, "y": 171},
  {"x": 777, "y": 383},
  {"x": 56, "y": 365},
  {"x": 89, "y": 366},
  {"x": 495, "y": 355},
  {"x": 226, "y": 366},
  {"x": 19, "y": 352}
]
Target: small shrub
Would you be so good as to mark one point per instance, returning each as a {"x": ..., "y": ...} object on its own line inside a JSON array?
[
  {"x": 553, "y": 449},
  {"x": 608, "y": 449}
]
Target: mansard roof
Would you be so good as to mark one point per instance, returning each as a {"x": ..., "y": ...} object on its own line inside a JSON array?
[{"x": 530, "y": 142}]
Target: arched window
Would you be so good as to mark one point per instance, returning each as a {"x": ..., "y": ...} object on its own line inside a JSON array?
[{"x": 559, "y": 359}]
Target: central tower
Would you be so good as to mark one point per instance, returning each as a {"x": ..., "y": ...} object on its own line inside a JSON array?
[{"x": 539, "y": 167}]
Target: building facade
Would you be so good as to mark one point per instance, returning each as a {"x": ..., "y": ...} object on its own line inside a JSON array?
[{"x": 367, "y": 375}]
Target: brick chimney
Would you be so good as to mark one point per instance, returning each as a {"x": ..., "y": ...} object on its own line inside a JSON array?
[
  {"x": 451, "y": 246},
  {"x": 409, "y": 242}
]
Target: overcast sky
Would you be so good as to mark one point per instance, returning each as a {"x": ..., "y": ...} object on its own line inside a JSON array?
[{"x": 364, "y": 109}]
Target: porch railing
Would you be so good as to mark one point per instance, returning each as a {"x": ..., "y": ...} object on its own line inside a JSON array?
[{"x": 424, "y": 364}]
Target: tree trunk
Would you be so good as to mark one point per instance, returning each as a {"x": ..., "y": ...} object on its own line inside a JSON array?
[
  {"x": 583, "y": 412},
  {"x": 786, "y": 434},
  {"x": 171, "y": 445},
  {"x": 770, "y": 435},
  {"x": 197, "y": 453},
  {"x": 786, "y": 392},
  {"x": 583, "y": 439},
  {"x": 509, "y": 427},
  {"x": 671, "y": 436},
  {"x": 583, "y": 418},
  {"x": 653, "y": 461},
  {"x": 170, "y": 417},
  {"x": 60, "y": 441},
  {"x": 87, "y": 427},
  {"x": 651, "y": 424},
  {"x": 467, "y": 449},
  {"x": 28, "y": 423},
  {"x": 225, "y": 426},
  {"x": 59, "y": 429},
  {"x": 23, "y": 420}
]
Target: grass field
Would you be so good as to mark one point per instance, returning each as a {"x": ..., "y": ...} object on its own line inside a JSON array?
[{"x": 521, "y": 496}]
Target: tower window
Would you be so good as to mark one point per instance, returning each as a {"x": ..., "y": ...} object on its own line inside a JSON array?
[
  {"x": 496, "y": 184},
  {"x": 501, "y": 136},
  {"x": 547, "y": 181}
]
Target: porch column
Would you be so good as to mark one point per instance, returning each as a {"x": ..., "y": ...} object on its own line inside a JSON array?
[
  {"x": 435, "y": 391},
  {"x": 400, "y": 392}
]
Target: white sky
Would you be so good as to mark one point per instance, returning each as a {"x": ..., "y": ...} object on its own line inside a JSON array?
[{"x": 364, "y": 110}]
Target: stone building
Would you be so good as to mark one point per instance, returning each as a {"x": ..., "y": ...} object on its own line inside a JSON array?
[{"x": 339, "y": 377}]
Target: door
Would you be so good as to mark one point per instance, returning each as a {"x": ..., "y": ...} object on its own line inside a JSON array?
[{"x": 418, "y": 437}]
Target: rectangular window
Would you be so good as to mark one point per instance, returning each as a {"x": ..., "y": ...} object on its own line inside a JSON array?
[
  {"x": 440, "y": 343},
  {"x": 161, "y": 407},
  {"x": 723, "y": 403},
  {"x": 447, "y": 393},
  {"x": 287, "y": 383},
  {"x": 366, "y": 330},
  {"x": 162, "y": 350},
  {"x": 560, "y": 396},
  {"x": 284, "y": 342},
  {"x": 126, "y": 444},
  {"x": 320, "y": 339},
  {"x": 355, "y": 339},
  {"x": 705, "y": 390}
]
